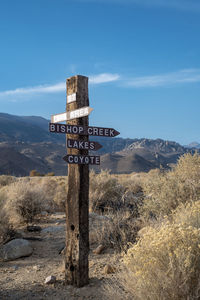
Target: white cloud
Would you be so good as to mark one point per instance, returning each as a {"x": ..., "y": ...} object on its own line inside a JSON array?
[
  {"x": 152, "y": 81},
  {"x": 102, "y": 78},
  {"x": 59, "y": 87},
  {"x": 56, "y": 88},
  {"x": 187, "y": 5},
  {"x": 169, "y": 79}
]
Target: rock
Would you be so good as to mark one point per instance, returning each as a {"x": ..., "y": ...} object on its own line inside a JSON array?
[
  {"x": 44, "y": 213},
  {"x": 58, "y": 215},
  {"x": 34, "y": 228},
  {"x": 52, "y": 229},
  {"x": 15, "y": 249},
  {"x": 50, "y": 279},
  {"x": 109, "y": 269},
  {"x": 99, "y": 249},
  {"x": 32, "y": 238}
]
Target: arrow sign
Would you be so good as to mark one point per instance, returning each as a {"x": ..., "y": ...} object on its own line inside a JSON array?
[
  {"x": 70, "y": 115},
  {"x": 81, "y": 130},
  {"x": 76, "y": 144},
  {"x": 82, "y": 159}
]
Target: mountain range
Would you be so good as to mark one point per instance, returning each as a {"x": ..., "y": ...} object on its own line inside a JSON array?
[{"x": 26, "y": 144}]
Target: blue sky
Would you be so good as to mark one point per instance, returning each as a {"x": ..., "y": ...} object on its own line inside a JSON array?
[{"x": 141, "y": 57}]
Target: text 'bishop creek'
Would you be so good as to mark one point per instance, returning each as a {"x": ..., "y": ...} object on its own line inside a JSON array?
[{"x": 77, "y": 129}]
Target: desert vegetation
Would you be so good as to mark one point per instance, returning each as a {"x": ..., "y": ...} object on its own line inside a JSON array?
[{"x": 150, "y": 220}]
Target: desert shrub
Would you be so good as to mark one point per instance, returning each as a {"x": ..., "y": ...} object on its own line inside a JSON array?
[
  {"x": 105, "y": 192},
  {"x": 50, "y": 174},
  {"x": 35, "y": 173},
  {"x": 55, "y": 190},
  {"x": 49, "y": 187},
  {"x": 133, "y": 182},
  {"x": 6, "y": 179},
  {"x": 5, "y": 227},
  {"x": 188, "y": 170},
  {"x": 60, "y": 195},
  {"x": 116, "y": 231},
  {"x": 165, "y": 263},
  {"x": 24, "y": 201},
  {"x": 187, "y": 215},
  {"x": 164, "y": 192}
]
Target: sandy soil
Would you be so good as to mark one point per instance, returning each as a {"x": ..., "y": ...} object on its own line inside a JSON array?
[{"x": 24, "y": 278}]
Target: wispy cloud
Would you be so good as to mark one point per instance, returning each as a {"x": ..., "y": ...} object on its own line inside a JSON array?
[
  {"x": 102, "y": 78},
  {"x": 152, "y": 81},
  {"x": 187, "y": 5},
  {"x": 56, "y": 88},
  {"x": 169, "y": 79}
]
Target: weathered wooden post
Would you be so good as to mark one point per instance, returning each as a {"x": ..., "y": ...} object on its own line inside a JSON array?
[
  {"x": 77, "y": 220},
  {"x": 77, "y": 202}
]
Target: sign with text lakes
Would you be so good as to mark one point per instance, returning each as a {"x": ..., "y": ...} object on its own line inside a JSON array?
[
  {"x": 85, "y": 145},
  {"x": 81, "y": 130}
]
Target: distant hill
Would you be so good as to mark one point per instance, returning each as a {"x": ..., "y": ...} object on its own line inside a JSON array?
[
  {"x": 25, "y": 129},
  {"x": 12, "y": 162},
  {"x": 26, "y": 144},
  {"x": 20, "y": 158},
  {"x": 143, "y": 155},
  {"x": 125, "y": 164},
  {"x": 193, "y": 145}
]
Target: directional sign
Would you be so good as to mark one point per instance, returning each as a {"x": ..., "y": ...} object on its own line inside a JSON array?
[
  {"x": 77, "y": 144},
  {"x": 82, "y": 159},
  {"x": 70, "y": 115},
  {"x": 81, "y": 130},
  {"x": 71, "y": 98}
]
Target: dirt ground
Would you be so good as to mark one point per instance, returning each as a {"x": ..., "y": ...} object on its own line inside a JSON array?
[{"x": 24, "y": 278}]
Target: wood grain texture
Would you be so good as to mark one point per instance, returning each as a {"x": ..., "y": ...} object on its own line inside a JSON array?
[{"x": 77, "y": 204}]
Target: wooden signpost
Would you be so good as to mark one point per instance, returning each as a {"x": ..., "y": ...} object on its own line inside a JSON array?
[{"x": 78, "y": 158}]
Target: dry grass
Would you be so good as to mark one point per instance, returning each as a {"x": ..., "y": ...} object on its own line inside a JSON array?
[
  {"x": 105, "y": 192},
  {"x": 165, "y": 263},
  {"x": 5, "y": 226},
  {"x": 111, "y": 193},
  {"x": 24, "y": 202},
  {"x": 163, "y": 260},
  {"x": 6, "y": 180},
  {"x": 115, "y": 231},
  {"x": 25, "y": 198},
  {"x": 164, "y": 192}
]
